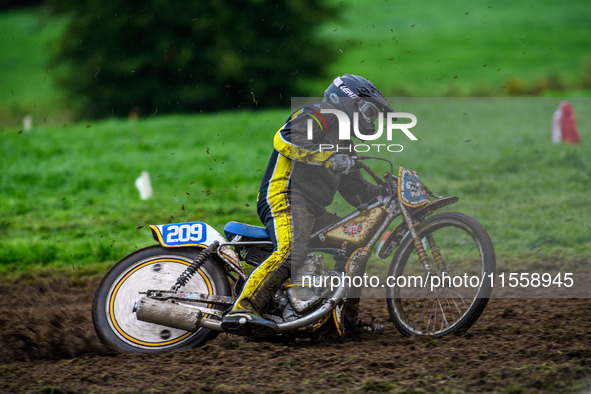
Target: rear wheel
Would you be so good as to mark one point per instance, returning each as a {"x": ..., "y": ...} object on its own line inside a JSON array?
[
  {"x": 151, "y": 268},
  {"x": 453, "y": 291}
]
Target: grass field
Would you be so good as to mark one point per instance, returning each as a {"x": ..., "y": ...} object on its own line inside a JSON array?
[
  {"x": 68, "y": 194},
  {"x": 492, "y": 48},
  {"x": 27, "y": 39},
  {"x": 420, "y": 49}
]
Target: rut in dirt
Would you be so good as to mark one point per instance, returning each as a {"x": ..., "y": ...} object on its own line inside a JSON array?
[
  {"x": 533, "y": 344},
  {"x": 48, "y": 319}
]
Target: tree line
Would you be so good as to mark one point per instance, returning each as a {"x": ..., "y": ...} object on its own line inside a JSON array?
[{"x": 156, "y": 56}]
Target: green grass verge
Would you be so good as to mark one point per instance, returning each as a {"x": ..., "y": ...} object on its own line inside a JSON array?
[{"x": 68, "y": 194}]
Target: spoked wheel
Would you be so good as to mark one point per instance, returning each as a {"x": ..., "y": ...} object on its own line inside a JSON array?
[
  {"x": 453, "y": 291},
  {"x": 151, "y": 268}
]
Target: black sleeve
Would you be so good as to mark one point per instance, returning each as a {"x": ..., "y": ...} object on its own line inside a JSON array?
[{"x": 356, "y": 190}]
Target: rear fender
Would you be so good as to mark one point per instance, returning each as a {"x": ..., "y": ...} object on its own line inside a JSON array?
[{"x": 177, "y": 235}]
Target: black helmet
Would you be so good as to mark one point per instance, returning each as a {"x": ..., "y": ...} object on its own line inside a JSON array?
[{"x": 352, "y": 93}]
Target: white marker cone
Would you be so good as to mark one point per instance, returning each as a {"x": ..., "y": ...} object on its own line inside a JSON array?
[
  {"x": 144, "y": 186},
  {"x": 564, "y": 125},
  {"x": 27, "y": 123}
]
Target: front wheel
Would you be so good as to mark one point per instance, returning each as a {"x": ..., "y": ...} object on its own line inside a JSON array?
[
  {"x": 450, "y": 293},
  {"x": 151, "y": 268}
]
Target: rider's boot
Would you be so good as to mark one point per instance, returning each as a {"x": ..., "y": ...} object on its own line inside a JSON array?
[
  {"x": 353, "y": 323},
  {"x": 245, "y": 317},
  {"x": 303, "y": 292}
]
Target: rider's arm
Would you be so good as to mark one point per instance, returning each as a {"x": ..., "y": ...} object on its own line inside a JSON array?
[
  {"x": 292, "y": 139},
  {"x": 356, "y": 190}
]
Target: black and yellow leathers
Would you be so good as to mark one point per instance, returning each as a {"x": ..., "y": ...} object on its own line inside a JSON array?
[{"x": 293, "y": 195}]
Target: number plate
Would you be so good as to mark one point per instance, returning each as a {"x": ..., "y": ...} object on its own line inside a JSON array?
[{"x": 184, "y": 233}]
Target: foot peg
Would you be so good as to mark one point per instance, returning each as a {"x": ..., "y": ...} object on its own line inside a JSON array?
[{"x": 249, "y": 324}]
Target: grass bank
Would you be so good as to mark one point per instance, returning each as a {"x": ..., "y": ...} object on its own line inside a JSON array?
[{"x": 68, "y": 194}]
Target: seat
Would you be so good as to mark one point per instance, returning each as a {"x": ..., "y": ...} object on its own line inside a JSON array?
[{"x": 246, "y": 230}]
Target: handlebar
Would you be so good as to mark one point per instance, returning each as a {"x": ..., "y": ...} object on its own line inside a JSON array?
[
  {"x": 376, "y": 178},
  {"x": 389, "y": 177}
]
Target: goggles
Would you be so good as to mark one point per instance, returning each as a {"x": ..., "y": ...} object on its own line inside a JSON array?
[{"x": 369, "y": 111}]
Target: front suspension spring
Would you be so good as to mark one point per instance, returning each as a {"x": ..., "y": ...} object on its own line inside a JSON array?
[{"x": 194, "y": 267}]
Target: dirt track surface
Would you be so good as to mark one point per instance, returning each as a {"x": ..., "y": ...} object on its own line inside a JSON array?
[{"x": 48, "y": 344}]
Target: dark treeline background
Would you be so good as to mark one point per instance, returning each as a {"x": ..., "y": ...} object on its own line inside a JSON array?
[{"x": 157, "y": 56}]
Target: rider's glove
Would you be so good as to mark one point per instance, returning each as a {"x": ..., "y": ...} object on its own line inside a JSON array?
[
  {"x": 383, "y": 192},
  {"x": 340, "y": 162}
]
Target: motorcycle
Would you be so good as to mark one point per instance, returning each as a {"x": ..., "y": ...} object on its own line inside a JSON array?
[{"x": 173, "y": 295}]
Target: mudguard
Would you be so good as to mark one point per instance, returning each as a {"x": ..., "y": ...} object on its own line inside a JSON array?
[
  {"x": 177, "y": 235},
  {"x": 417, "y": 215}
]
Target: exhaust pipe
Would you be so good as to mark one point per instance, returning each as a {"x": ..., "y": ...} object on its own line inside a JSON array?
[
  {"x": 190, "y": 318},
  {"x": 164, "y": 313}
]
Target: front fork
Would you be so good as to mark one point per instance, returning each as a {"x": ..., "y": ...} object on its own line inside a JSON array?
[{"x": 418, "y": 244}]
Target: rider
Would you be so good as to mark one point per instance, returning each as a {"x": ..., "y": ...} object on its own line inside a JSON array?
[{"x": 298, "y": 186}]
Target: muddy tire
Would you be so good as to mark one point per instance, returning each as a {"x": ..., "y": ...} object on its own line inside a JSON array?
[
  {"x": 453, "y": 293},
  {"x": 151, "y": 268}
]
